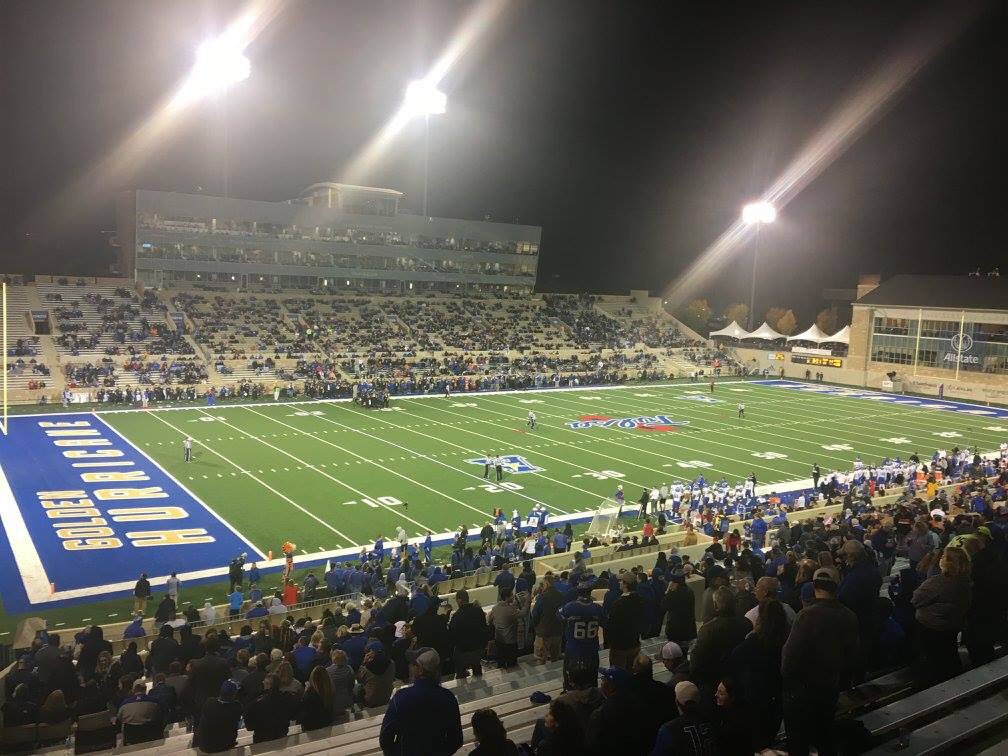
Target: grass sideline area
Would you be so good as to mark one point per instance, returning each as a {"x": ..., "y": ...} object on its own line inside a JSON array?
[{"x": 332, "y": 475}]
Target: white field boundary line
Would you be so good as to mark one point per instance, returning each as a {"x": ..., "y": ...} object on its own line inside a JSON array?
[
  {"x": 262, "y": 483},
  {"x": 321, "y": 472},
  {"x": 468, "y": 450},
  {"x": 903, "y": 411},
  {"x": 685, "y": 436},
  {"x": 458, "y": 396},
  {"x": 177, "y": 482},
  {"x": 530, "y": 449},
  {"x": 361, "y": 457},
  {"x": 905, "y": 401}
]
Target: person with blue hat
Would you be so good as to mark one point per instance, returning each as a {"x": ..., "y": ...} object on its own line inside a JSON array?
[{"x": 218, "y": 725}]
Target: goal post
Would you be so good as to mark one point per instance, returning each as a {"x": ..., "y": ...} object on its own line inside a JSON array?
[
  {"x": 605, "y": 521},
  {"x": 3, "y": 296}
]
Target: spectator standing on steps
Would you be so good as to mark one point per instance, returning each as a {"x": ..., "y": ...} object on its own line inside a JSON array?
[
  {"x": 622, "y": 630},
  {"x": 422, "y": 719},
  {"x": 468, "y": 628},
  {"x": 816, "y": 664}
]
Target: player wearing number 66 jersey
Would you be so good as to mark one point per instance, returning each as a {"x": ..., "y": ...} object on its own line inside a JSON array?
[{"x": 582, "y": 619}]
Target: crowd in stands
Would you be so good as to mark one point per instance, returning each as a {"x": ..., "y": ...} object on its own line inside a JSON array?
[{"x": 782, "y": 628}]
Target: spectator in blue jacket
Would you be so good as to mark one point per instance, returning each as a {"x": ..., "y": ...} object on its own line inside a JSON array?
[
  {"x": 135, "y": 629},
  {"x": 422, "y": 719}
]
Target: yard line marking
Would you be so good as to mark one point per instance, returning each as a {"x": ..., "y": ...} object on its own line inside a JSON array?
[
  {"x": 376, "y": 464},
  {"x": 257, "y": 480},
  {"x": 320, "y": 471},
  {"x": 496, "y": 441},
  {"x": 179, "y": 483}
]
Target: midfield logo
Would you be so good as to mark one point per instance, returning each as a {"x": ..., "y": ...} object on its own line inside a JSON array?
[
  {"x": 644, "y": 423},
  {"x": 511, "y": 463}
]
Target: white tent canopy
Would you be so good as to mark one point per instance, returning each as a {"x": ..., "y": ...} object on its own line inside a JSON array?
[
  {"x": 813, "y": 334},
  {"x": 840, "y": 337},
  {"x": 732, "y": 331},
  {"x": 765, "y": 333}
]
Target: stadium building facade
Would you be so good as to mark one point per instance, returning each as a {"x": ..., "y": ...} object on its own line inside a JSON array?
[{"x": 334, "y": 236}]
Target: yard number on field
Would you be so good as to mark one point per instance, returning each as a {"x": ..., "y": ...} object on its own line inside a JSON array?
[
  {"x": 691, "y": 463},
  {"x": 770, "y": 455},
  {"x": 378, "y": 501},
  {"x": 600, "y": 474}
]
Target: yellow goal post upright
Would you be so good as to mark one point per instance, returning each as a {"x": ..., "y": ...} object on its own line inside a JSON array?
[{"x": 4, "y": 298}]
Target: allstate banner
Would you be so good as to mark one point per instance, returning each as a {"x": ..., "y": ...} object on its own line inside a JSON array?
[{"x": 84, "y": 512}]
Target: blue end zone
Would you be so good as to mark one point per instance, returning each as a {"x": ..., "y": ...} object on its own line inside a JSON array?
[
  {"x": 84, "y": 509},
  {"x": 977, "y": 410}
]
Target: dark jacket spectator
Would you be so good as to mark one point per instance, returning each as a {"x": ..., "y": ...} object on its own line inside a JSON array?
[
  {"x": 717, "y": 639},
  {"x": 692, "y": 733},
  {"x": 490, "y": 736},
  {"x": 623, "y": 625},
  {"x": 218, "y": 723},
  {"x": 163, "y": 651},
  {"x": 316, "y": 708},
  {"x": 680, "y": 611},
  {"x": 376, "y": 677},
  {"x": 20, "y": 709},
  {"x": 93, "y": 645},
  {"x": 270, "y": 714},
  {"x": 468, "y": 628},
  {"x": 207, "y": 676}
]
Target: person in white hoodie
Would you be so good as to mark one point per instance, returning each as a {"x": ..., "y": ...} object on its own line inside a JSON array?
[{"x": 208, "y": 613}]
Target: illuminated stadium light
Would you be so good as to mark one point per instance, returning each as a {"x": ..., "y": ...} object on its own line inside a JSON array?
[
  {"x": 219, "y": 63},
  {"x": 424, "y": 99},
  {"x": 758, "y": 212}
]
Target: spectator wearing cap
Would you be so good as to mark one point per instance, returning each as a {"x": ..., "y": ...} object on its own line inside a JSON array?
[
  {"x": 623, "y": 624},
  {"x": 218, "y": 723},
  {"x": 671, "y": 656},
  {"x": 941, "y": 603},
  {"x": 422, "y": 719},
  {"x": 269, "y": 715},
  {"x": 679, "y": 606},
  {"x": 620, "y": 724},
  {"x": 816, "y": 664},
  {"x": 691, "y": 733},
  {"x": 545, "y": 623},
  {"x": 353, "y": 645},
  {"x": 716, "y": 640},
  {"x": 469, "y": 634},
  {"x": 376, "y": 677}
]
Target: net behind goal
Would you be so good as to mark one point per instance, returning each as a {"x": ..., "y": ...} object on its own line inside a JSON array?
[{"x": 605, "y": 522}]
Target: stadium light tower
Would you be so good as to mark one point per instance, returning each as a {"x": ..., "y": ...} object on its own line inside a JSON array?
[
  {"x": 220, "y": 62},
  {"x": 756, "y": 214},
  {"x": 424, "y": 99}
]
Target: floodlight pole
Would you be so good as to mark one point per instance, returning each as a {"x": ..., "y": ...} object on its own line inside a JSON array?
[
  {"x": 752, "y": 285},
  {"x": 426, "y": 165}
]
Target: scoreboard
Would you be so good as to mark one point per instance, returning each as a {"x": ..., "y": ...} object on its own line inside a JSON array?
[{"x": 817, "y": 361}]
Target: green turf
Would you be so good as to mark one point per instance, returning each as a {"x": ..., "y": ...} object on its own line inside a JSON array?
[{"x": 328, "y": 475}]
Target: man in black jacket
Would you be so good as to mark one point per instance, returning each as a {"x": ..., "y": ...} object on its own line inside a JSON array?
[
  {"x": 468, "y": 629},
  {"x": 622, "y": 630},
  {"x": 679, "y": 605},
  {"x": 716, "y": 640},
  {"x": 207, "y": 676},
  {"x": 816, "y": 664},
  {"x": 218, "y": 724}
]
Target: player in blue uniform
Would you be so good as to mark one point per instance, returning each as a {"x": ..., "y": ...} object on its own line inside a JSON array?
[{"x": 582, "y": 619}]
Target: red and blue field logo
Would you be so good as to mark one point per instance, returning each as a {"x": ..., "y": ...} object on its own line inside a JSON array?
[{"x": 643, "y": 423}]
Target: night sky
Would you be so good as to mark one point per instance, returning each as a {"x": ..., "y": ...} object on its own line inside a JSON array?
[{"x": 632, "y": 132}]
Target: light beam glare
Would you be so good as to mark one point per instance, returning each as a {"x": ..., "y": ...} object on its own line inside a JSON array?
[
  {"x": 477, "y": 23},
  {"x": 118, "y": 166},
  {"x": 842, "y": 128}
]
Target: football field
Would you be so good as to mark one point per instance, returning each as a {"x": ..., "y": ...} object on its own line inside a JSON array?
[{"x": 90, "y": 500}]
